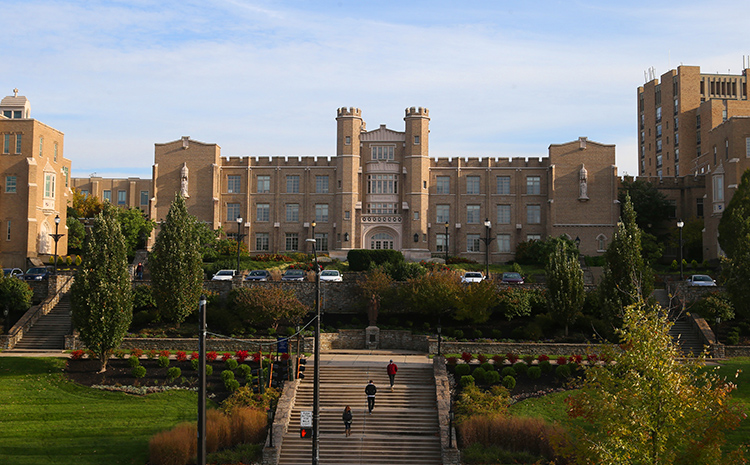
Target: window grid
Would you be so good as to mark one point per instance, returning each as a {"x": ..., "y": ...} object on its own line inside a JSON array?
[
  {"x": 144, "y": 197},
  {"x": 441, "y": 242},
  {"x": 321, "y": 184},
  {"x": 292, "y": 212},
  {"x": 472, "y": 243},
  {"x": 262, "y": 241},
  {"x": 321, "y": 242},
  {"x": 41, "y": 145},
  {"x": 533, "y": 214},
  {"x": 234, "y": 184},
  {"x": 19, "y": 139},
  {"x": 503, "y": 185},
  {"x": 49, "y": 185},
  {"x": 121, "y": 197},
  {"x": 472, "y": 214},
  {"x": 382, "y": 208},
  {"x": 443, "y": 214},
  {"x": 382, "y": 184},
  {"x": 262, "y": 212},
  {"x": 382, "y": 152},
  {"x": 503, "y": 214},
  {"x": 472, "y": 185},
  {"x": 10, "y": 184},
  {"x": 291, "y": 242},
  {"x": 107, "y": 195},
  {"x": 503, "y": 243},
  {"x": 533, "y": 185},
  {"x": 6, "y": 143},
  {"x": 264, "y": 184},
  {"x": 321, "y": 213},
  {"x": 292, "y": 184},
  {"x": 443, "y": 184},
  {"x": 233, "y": 211}
]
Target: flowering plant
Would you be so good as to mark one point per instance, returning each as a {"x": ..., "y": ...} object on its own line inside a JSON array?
[
  {"x": 136, "y": 352},
  {"x": 152, "y": 354},
  {"x": 241, "y": 355},
  {"x": 211, "y": 356},
  {"x": 256, "y": 357},
  {"x": 543, "y": 358},
  {"x": 77, "y": 354},
  {"x": 466, "y": 357},
  {"x": 498, "y": 359},
  {"x": 164, "y": 353},
  {"x": 482, "y": 358},
  {"x": 576, "y": 358},
  {"x": 562, "y": 360},
  {"x": 284, "y": 357},
  {"x": 195, "y": 356},
  {"x": 181, "y": 356},
  {"x": 226, "y": 356},
  {"x": 512, "y": 358}
]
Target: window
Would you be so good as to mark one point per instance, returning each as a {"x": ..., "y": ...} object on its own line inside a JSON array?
[
  {"x": 441, "y": 243},
  {"x": 533, "y": 214},
  {"x": 41, "y": 144},
  {"x": 292, "y": 212},
  {"x": 321, "y": 213},
  {"x": 503, "y": 185},
  {"x": 472, "y": 242},
  {"x": 348, "y": 140},
  {"x": 382, "y": 152},
  {"x": 66, "y": 173},
  {"x": 443, "y": 214},
  {"x": 264, "y": 184},
  {"x": 292, "y": 184},
  {"x": 472, "y": 184},
  {"x": 262, "y": 212},
  {"x": 49, "y": 185},
  {"x": 381, "y": 241},
  {"x": 719, "y": 188},
  {"x": 658, "y": 114},
  {"x": 601, "y": 243},
  {"x": 19, "y": 138},
  {"x": 321, "y": 242},
  {"x": 321, "y": 184},
  {"x": 7, "y": 232},
  {"x": 443, "y": 183},
  {"x": 503, "y": 214},
  {"x": 233, "y": 211},
  {"x": 676, "y": 139},
  {"x": 10, "y": 184},
  {"x": 6, "y": 143},
  {"x": 382, "y": 208},
  {"x": 658, "y": 130},
  {"x": 84, "y": 193},
  {"x": 121, "y": 197},
  {"x": 107, "y": 196},
  {"x": 233, "y": 184},
  {"x": 55, "y": 155},
  {"x": 472, "y": 214},
  {"x": 533, "y": 237},
  {"x": 416, "y": 215},
  {"x": 699, "y": 208},
  {"x": 416, "y": 140},
  {"x": 672, "y": 211},
  {"x": 726, "y": 149},
  {"x": 503, "y": 243},
  {"x": 747, "y": 147},
  {"x": 144, "y": 197},
  {"x": 347, "y": 215},
  {"x": 382, "y": 184},
  {"x": 291, "y": 242},
  {"x": 533, "y": 185},
  {"x": 262, "y": 241}
]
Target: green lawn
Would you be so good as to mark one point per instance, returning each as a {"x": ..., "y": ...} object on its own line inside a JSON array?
[{"x": 46, "y": 420}]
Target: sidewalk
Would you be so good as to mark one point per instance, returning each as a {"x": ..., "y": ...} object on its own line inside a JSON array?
[{"x": 371, "y": 357}]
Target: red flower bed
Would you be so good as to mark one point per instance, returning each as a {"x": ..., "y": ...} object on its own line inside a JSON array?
[{"x": 512, "y": 358}]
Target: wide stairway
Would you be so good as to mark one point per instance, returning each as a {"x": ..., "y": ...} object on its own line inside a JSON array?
[
  {"x": 403, "y": 428},
  {"x": 48, "y": 333},
  {"x": 686, "y": 337}
]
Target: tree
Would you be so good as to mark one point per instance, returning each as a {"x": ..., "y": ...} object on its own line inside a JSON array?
[
  {"x": 435, "y": 293},
  {"x": 101, "y": 296},
  {"x": 15, "y": 296},
  {"x": 734, "y": 239},
  {"x": 626, "y": 276},
  {"x": 84, "y": 205},
  {"x": 176, "y": 272},
  {"x": 476, "y": 301},
  {"x": 76, "y": 233},
  {"x": 565, "y": 286},
  {"x": 267, "y": 304},
  {"x": 135, "y": 228},
  {"x": 650, "y": 205},
  {"x": 644, "y": 406},
  {"x": 374, "y": 287}
]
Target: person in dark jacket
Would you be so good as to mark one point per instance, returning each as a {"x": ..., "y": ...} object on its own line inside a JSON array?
[
  {"x": 347, "y": 417},
  {"x": 370, "y": 390},
  {"x": 392, "y": 369}
]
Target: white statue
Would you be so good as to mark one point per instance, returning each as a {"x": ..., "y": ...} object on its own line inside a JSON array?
[
  {"x": 184, "y": 180},
  {"x": 583, "y": 176}
]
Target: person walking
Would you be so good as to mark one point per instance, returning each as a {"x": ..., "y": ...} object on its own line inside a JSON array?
[
  {"x": 391, "y": 369},
  {"x": 347, "y": 417},
  {"x": 139, "y": 271},
  {"x": 370, "y": 390}
]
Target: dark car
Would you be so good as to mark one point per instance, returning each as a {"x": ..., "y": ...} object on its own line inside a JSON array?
[
  {"x": 293, "y": 275},
  {"x": 258, "y": 275},
  {"x": 512, "y": 278},
  {"x": 38, "y": 273},
  {"x": 13, "y": 272}
]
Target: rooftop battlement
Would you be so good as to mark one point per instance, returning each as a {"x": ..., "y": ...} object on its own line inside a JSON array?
[
  {"x": 301, "y": 161},
  {"x": 417, "y": 111},
  {"x": 489, "y": 162},
  {"x": 348, "y": 112}
]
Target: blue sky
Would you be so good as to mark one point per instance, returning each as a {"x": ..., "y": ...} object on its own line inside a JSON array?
[{"x": 501, "y": 78}]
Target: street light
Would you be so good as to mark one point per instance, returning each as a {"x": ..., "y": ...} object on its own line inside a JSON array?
[
  {"x": 316, "y": 367},
  {"x": 239, "y": 240},
  {"x": 680, "y": 224},
  {"x": 446, "y": 242},
  {"x": 202, "y": 382},
  {"x": 56, "y": 237},
  {"x": 487, "y": 240}
]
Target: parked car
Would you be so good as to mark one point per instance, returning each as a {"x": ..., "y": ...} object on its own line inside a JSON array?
[
  {"x": 258, "y": 275},
  {"x": 472, "y": 277},
  {"x": 700, "y": 280},
  {"x": 38, "y": 273},
  {"x": 331, "y": 276},
  {"x": 13, "y": 272},
  {"x": 223, "y": 275},
  {"x": 293, "y": 275},
  {"x": 512, "y": 277}
]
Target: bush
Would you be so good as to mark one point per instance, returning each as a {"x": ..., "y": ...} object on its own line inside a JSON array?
[
  {"x": 498, "y": 359},
  {"x": 545, "y": 366},
  {"x": 363, "y": 260},
  {"x": 733, "y": 337},
  {"x": 529, "y": 359},
  {"x": 475, "y": 401},
  {"x": 77, "y": 354},
  {"x": 244, "y": 397},
  {"x": 163, "y": 361},
  {"x": 482, "y": 359},
  {"x": 463, "y": 369},
  {"x": 246, "y": 371},
  {"x": 478, "y": 375},
  {"x": 487, "y": 366},
  {"x": 139, "y": 371},
  {"x": 232, "y": 364},
  {"x": 520, "y": 367},
  {"x": 466, "y": 381},
  {"x": 218, "y": 431},
  {"x": 466, "y": 357},
  {"x": 248, "y": 425},
  {"x": 227, "y": 375},
  {"x": 509, "y": 382},
  {"x": 136, "y": 352},
  {"x": 563, "y": 371},
  {"x": 458, "y": 334},
  {"x": 151, "y": 354},
  {"x": 174, "y": 447},
  {"x": 133, "y": 361},
  {"x": 491, "y": 377},
  {"x": 512, "y": 358},
  {"x": 534, "y": 372},
  {"x": 508, "y": 371},
  {"x": 562, "y": 360},
  {"x": 195, "y": 364},
  {"x": 231, "y": 385},
  {"x": 209, "y": 370},
  {"x": 181, "y": 356},
  {"x": 452, "y": 361},
  {"x": 173, "y": 373}
]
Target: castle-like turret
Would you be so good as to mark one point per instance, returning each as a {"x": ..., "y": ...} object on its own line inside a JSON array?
[{"x": 349, "y": 125}]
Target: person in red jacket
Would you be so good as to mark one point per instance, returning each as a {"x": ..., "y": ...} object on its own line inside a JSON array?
[{"x": 392, "y": 369}]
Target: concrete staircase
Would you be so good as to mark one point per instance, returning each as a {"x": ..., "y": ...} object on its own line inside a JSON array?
[
  {"x": 49, "y": 332},
  {"x": 403, "y": 428},
  {"x": 686, "y": 337}
]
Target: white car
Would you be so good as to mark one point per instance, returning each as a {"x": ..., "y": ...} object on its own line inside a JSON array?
[
  {"x": 223, "y": 275},
  {"x": 701, "y": 280},
  {"x": 472, "y": 277},
  {"x": 331, "y": 276}
]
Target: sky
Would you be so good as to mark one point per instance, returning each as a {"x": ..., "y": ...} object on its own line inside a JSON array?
[{"x": 501, "y": 78}]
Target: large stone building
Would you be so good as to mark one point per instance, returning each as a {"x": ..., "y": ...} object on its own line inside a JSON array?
[
  {"x": 35, "y": 190},
  {"x": 382, "y": 190}
]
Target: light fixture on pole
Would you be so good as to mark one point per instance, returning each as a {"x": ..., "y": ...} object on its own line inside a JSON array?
[
  {"x": 201, "y": 459},
  {"x": 446, "y": 242},
  {"x": 239, "y": 241},
  {"x": 680, "y": 225},
  {"x": 56, "y": 238},
  {"x": 487, "y": 240},
  {"x": 316, "y": 367}
]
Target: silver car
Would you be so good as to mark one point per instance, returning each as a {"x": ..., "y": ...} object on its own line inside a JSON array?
[{"x": 700, "y": 280}]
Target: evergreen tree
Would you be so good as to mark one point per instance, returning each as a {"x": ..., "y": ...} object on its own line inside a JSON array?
[
  {"x": 734, "y": 226},
  {"x": 565, "y": 292},
  {"x": 15, "y": 297},
  {"x": 175, "y": 264},
  {"x": 626, "y": 276},
  {"x": 101, "y": 296}
]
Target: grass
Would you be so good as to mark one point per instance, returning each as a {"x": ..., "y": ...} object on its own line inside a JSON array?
[{"x": 48, "y": 420}]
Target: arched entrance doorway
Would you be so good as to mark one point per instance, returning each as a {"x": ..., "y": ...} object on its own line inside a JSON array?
[{"x": 381, "y": 241}]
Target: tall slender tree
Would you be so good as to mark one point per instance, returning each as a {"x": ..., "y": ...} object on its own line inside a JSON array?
[
  {"x": 734, "y": 238},
  {"x": 101, "y": 296},
  {"x": 565, "y": 291},
  {"x": 175, "y": 264}
]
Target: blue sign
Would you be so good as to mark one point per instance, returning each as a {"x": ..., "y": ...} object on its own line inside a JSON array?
[{"x": 282, "y": 345}]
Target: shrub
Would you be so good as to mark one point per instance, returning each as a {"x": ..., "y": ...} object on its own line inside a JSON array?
[
  {"x": 246, "y": 371},
  {"x": 563, "y": 372},
  {"x": 218, "y": 431},
  {"x": 467, "y": 380},
  {"x": 136, "y": 352},
  {"x": 139, "y": 371},
  {"x": 543, "y": 358},
  {"x": 462, "y": 369},
  {"x": 512, "y": 358},
  {"x": 592, "y": 358},
  {"x": 534, "y": 372},
  {"x": 226, "y": 356},
  {"x": 151, "y": 354},
  {"x": 478, "y": 375},
  {"x": 164, "y": 353},
  {"x": 509, "y": 382},
  {"x": 475, "y": 401},
  {"x": 733, "y": 337},
  {"x": 231, "y": 385},
  {"x": 133, "y": 361},
  {"x": 482, "y": 358},
  {"x": 466, "y": 357},
  {"x": 241, "y": 355},
  {"x": 458, "y": 334},
  {"x": 77, "y": 354},
  {"x": 227, "y": 375},
  {"x": 498, "y": 359},
  {"x": 529, "y": 359},
  {"x": 508, "y": 371},
  {"x": 245, "y": 397},
  {"x": 487, "y": 366},
  {"x": 232, "y": 363},
  {"x": 181, "y": 356},
  {"x": 248, "y": 425},
  {"x": 576, "y": 358},
  {"x": 545, "y": 366},
  {"x": 491, "y": 377},
  {"x": 163, "y": 361},
  {"x": 209, "y": 370},
  {"x": 120, "y": 354},
  {"x": 173, "y": 373},
  {"x": 195, "y": 364},
  {"x": 452, "y": 361},
  {"x": 562, "y": 360},
  {"x": 520, "y": 367},
  {"x": 194, "y": 356},
  {"x": 174, "y": 447}
]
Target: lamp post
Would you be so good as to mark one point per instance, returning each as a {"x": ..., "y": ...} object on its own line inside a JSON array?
[
  {"x": 239, "y": 240},
  {"x": 201, "y": 459},
  {"x": 56, "y": 237},
  {"x": 446, "y": 242},
  {"x": 316, "y": 368},
  {"x": 487, "y": 240},
  {"x": 680, "y": 224}
]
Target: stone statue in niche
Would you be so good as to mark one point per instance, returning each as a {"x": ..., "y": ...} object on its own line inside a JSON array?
[
  {"x": 184, "y": 181},
  {"x": 583, "y": 177},
  {"x": 372, "y": 311}
]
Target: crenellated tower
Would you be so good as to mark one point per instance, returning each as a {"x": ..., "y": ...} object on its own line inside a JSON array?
[
  {"x": 349, "y": 126},
  {"x": 416, "y": 182}
]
